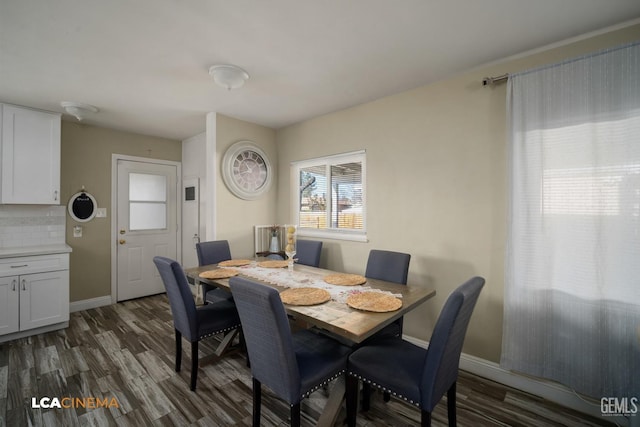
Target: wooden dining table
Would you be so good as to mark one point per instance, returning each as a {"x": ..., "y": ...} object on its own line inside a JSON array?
[{"x": 334, "y": 317}]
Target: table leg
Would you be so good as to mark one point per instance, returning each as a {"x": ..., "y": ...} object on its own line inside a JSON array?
[
  {"x": 198, "y": 294},
  {"x": 333, "y": 405},
  {"x": 223, "y": 348}
]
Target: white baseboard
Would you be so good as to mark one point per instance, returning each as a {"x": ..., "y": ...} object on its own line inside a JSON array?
[
  {"x": 548, "y": 390},
  {"x": 89, "y": 303}
]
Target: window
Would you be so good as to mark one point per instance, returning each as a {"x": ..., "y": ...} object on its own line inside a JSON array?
[
  {"x": 328, "y": 195},
  {"x": 147, "y": 202},
  {"x": 572, "y": 300}
]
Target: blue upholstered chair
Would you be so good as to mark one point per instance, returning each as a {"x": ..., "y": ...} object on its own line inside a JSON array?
[
  {"x": 391, "y": 267},
  {"x": 419, "y": 376},
  {"x": 193, "y": 323},
  {"x": 308, "y": 252},
  {"x": 292, "y": 365},
  {"x": 388, "y": 265},
  {"x": 213, "y": 252}
]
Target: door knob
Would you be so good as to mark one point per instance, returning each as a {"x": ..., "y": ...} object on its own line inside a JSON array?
[{"x": 122, "y": 241}]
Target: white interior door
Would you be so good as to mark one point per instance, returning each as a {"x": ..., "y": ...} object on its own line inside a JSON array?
[{"x": 146, "y": 225}]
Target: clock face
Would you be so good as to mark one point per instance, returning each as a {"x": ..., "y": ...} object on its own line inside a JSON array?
[
  {"x": 246, "y": 170},
  {"x": 249, "y": 170}
]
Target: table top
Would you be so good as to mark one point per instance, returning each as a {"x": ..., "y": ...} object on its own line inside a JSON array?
[{"x": 335, "y": 315}]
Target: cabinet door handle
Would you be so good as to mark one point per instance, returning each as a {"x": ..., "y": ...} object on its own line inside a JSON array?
[
  {"x": 24, "y": 284},
  {"x": 20, "y": 266},
  {"x": 14, "y": 284},
  {"x": 55, "y": 195}
]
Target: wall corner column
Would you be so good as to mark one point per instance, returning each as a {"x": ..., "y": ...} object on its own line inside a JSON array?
[{"x": 211, "y": 176}]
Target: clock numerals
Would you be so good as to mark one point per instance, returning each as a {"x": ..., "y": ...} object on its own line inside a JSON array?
[
  {"x": 249, "y": 170},
  {"x": 246, "y": 170}
]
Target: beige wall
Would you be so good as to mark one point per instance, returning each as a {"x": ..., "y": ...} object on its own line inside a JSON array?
[
  {"x": 235, "y": 217},
  {"x": 86, "y": 160},
  {"x": 436, "y": 177}
]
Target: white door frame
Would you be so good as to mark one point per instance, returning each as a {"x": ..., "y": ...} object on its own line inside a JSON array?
[{"x": 114, "y": 212}]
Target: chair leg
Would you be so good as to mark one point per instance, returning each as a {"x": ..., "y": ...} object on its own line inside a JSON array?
[
  {"x": 366, "y": 396},
  {"x": 425, "y": 419},
  {"x": 178, "y": 350},
  {"x": 194, "y": 364},
  {"x": 295, "y": 415},
  {"x": 352, "y": 400},
  {"x": 451, "y": 405},
  {"x": 257, "y": 401}
]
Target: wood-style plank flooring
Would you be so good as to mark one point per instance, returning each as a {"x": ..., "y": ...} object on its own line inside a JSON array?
[{"x": 126, "y": 351}]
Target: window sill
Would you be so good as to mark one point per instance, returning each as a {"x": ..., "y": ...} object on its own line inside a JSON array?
[{"x": 333, "y": 234}]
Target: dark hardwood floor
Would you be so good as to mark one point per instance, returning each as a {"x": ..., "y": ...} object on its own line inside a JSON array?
[{"x": 124, "y": 353}]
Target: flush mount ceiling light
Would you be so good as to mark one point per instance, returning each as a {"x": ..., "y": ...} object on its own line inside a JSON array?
[
  {"x": 228, "y": 76},
  {"x": 78, "y": 109}
]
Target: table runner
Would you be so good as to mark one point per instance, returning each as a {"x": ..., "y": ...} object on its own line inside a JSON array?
[{"x": 297, "y": 279}]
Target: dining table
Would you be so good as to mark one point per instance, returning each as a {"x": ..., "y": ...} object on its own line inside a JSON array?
[{"x": 334, "y": 317}]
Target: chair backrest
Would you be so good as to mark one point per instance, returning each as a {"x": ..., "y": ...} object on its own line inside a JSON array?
[
  {"x": 213, "y": 252},
  {"x": 267, "y": 333},
  {"x": 443, "y": 357},
  {"x": 388, "y": 265},
  {"x": 183, "y": 307},
  {"x": 308, "y": 252}
]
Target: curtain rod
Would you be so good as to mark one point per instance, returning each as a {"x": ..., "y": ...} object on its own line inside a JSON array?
[{"x": 490, "y": 81}]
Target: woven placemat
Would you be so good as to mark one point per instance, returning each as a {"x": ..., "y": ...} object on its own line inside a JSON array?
[
  {"x": 219, "y": 273},
  {"x": 305, "y": 296},
  {"x": 234, "y": 262},
  {"x": 374, "y": 301},
  {"x": 274, "y": 263},
  {"x": 345, "y": 279}
]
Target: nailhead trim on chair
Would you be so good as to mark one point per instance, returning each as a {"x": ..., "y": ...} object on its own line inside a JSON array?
[
  {"x": 220, "y": 331},
  {"x": 385, "y": 389},
  {"x": 322, "y": 384}
]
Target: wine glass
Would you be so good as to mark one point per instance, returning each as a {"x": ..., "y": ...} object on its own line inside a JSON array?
[{"x": 290, "y": 242}]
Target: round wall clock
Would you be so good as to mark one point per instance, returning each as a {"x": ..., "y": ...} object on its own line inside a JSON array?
[{"x": 246, "y": 170}]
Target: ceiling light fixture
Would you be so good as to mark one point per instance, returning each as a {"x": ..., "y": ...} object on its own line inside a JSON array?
[
  {"x": 78, "y": 109},
  {"x": 228, "y": 76}
]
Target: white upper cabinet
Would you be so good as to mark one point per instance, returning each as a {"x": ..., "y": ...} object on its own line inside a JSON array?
[{"x": 30, "y": 156}]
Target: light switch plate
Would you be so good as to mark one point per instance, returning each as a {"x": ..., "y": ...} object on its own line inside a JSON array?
[
  {"x": 77, "y": 231},
  {"x": 101, "y": 213}
]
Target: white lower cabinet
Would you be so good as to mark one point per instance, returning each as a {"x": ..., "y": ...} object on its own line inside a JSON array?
[
  {"x": 36, "y": 296},
  {"x": 9, "y": 305}
]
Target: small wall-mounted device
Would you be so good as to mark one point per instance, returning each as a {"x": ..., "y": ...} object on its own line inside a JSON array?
[{"x": 189, "y": 193}]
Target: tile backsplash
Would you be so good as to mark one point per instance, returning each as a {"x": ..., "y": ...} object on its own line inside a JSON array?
[{"x": 31, "y": 225}]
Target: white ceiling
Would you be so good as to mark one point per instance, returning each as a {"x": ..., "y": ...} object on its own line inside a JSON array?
[{"x": 144, "y": 63}]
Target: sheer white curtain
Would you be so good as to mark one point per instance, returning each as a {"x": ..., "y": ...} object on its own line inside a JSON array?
[{"x": 572, "y": 285}]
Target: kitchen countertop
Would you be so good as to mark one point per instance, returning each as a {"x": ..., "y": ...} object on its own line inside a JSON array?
[{"x": 35, "y": 250}]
